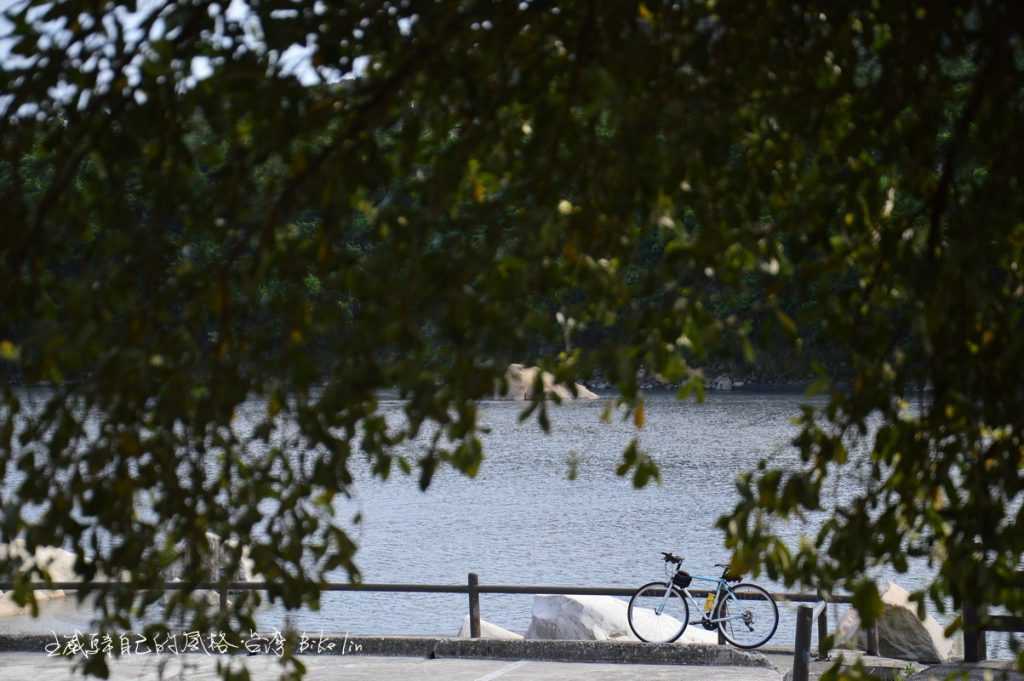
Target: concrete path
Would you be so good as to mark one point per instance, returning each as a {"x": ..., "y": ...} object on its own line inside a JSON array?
[
  {"x": 36, "y": 667},
  {"x": 425, "y": 647},
  {"x": 889, "y": 668},
  {"x": 979, "y": 671},
  {"x": 880, "y": 667}
]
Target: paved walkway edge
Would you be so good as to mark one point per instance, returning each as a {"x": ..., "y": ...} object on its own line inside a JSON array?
[{"x": 553, "y": 651}]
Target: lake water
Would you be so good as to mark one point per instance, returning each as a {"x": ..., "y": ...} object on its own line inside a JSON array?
[{"x": 522, "y": 521}]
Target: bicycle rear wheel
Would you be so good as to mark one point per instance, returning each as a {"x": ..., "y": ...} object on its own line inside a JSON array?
[
  {"x": 655, "y": 619},
  {"x": 748, "y": 616}
]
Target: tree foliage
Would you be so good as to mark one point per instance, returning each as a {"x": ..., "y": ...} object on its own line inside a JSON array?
[{"x": 196, "y": 226}]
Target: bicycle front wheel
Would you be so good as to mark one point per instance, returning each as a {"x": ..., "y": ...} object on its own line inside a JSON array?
[
  {"x": 747, "y": 616},
  {"x": 655, "y": 618}
]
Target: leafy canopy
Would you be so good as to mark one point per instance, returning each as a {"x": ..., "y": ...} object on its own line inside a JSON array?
[{"x": 284, "y": 210}]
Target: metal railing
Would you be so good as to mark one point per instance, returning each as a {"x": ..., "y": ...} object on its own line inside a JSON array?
[
  {"x": 472, "y": 588},
  {"x": 976, "y": 622}
]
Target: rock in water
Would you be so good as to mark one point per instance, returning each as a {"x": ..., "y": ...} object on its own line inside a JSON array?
[
  {"x": 488, "y": 630},
  {"x": 900, "y": 633},
  {"x": 722, "y": 383},
  {"x": 521, "y": 380},
  {"x": 593, "y": 618}
]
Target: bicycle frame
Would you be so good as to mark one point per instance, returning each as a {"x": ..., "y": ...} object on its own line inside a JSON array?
[{"x": 722, "y": 589}]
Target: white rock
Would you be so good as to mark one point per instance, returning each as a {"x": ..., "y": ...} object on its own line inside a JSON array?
[
  {"x": 900, "y": 633},
  {"x": 594, "y": 618},
  {"x": 694, "y": 633},
  {"x": 521, "y": 379},
  {"x": 488, "y": 630},
  {"x": 590, "y": 618},
  {"x": 57, "y": 562}
]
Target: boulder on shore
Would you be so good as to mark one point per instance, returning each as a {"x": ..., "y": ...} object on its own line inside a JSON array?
[
  {"x": 521, "y": 381},
  {"x": 488, "y": 630},
  {"x": 901, "y": 634},
  {"x": 60, "y": 564},
  {"x": 594, "y": 618},
  {"x": 57, "y": 562}
]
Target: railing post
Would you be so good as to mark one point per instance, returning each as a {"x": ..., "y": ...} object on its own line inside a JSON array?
[
  {"x": 823, "y": 643},
  {"x": 474, "y": 606},
  {"x": 872, "y": 637},
  {"x": 802, "y": 649},
  {"x": 975, "y": 649}
]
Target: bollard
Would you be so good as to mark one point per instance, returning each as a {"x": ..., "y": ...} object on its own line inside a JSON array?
[
  {"x": 474, "y": 606},
  {"x": 823, "y": 642},
  {"x": 872, "y": 636},
  {"x": 975, "y": 649},
  {"x": 802, "y": 648}
]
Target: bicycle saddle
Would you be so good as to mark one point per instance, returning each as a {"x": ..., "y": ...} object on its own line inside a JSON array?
[{"x": 728, "y": 576}]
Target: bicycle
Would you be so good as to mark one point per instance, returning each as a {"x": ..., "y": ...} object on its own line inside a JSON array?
[{"x": 745, "y": 614}]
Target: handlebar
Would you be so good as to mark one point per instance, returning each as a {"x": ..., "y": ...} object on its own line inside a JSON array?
[{"x": 671, "y": 558}]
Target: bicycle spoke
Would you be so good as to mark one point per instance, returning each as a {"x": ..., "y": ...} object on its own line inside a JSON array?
[{"x": 650, "y": 625}]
